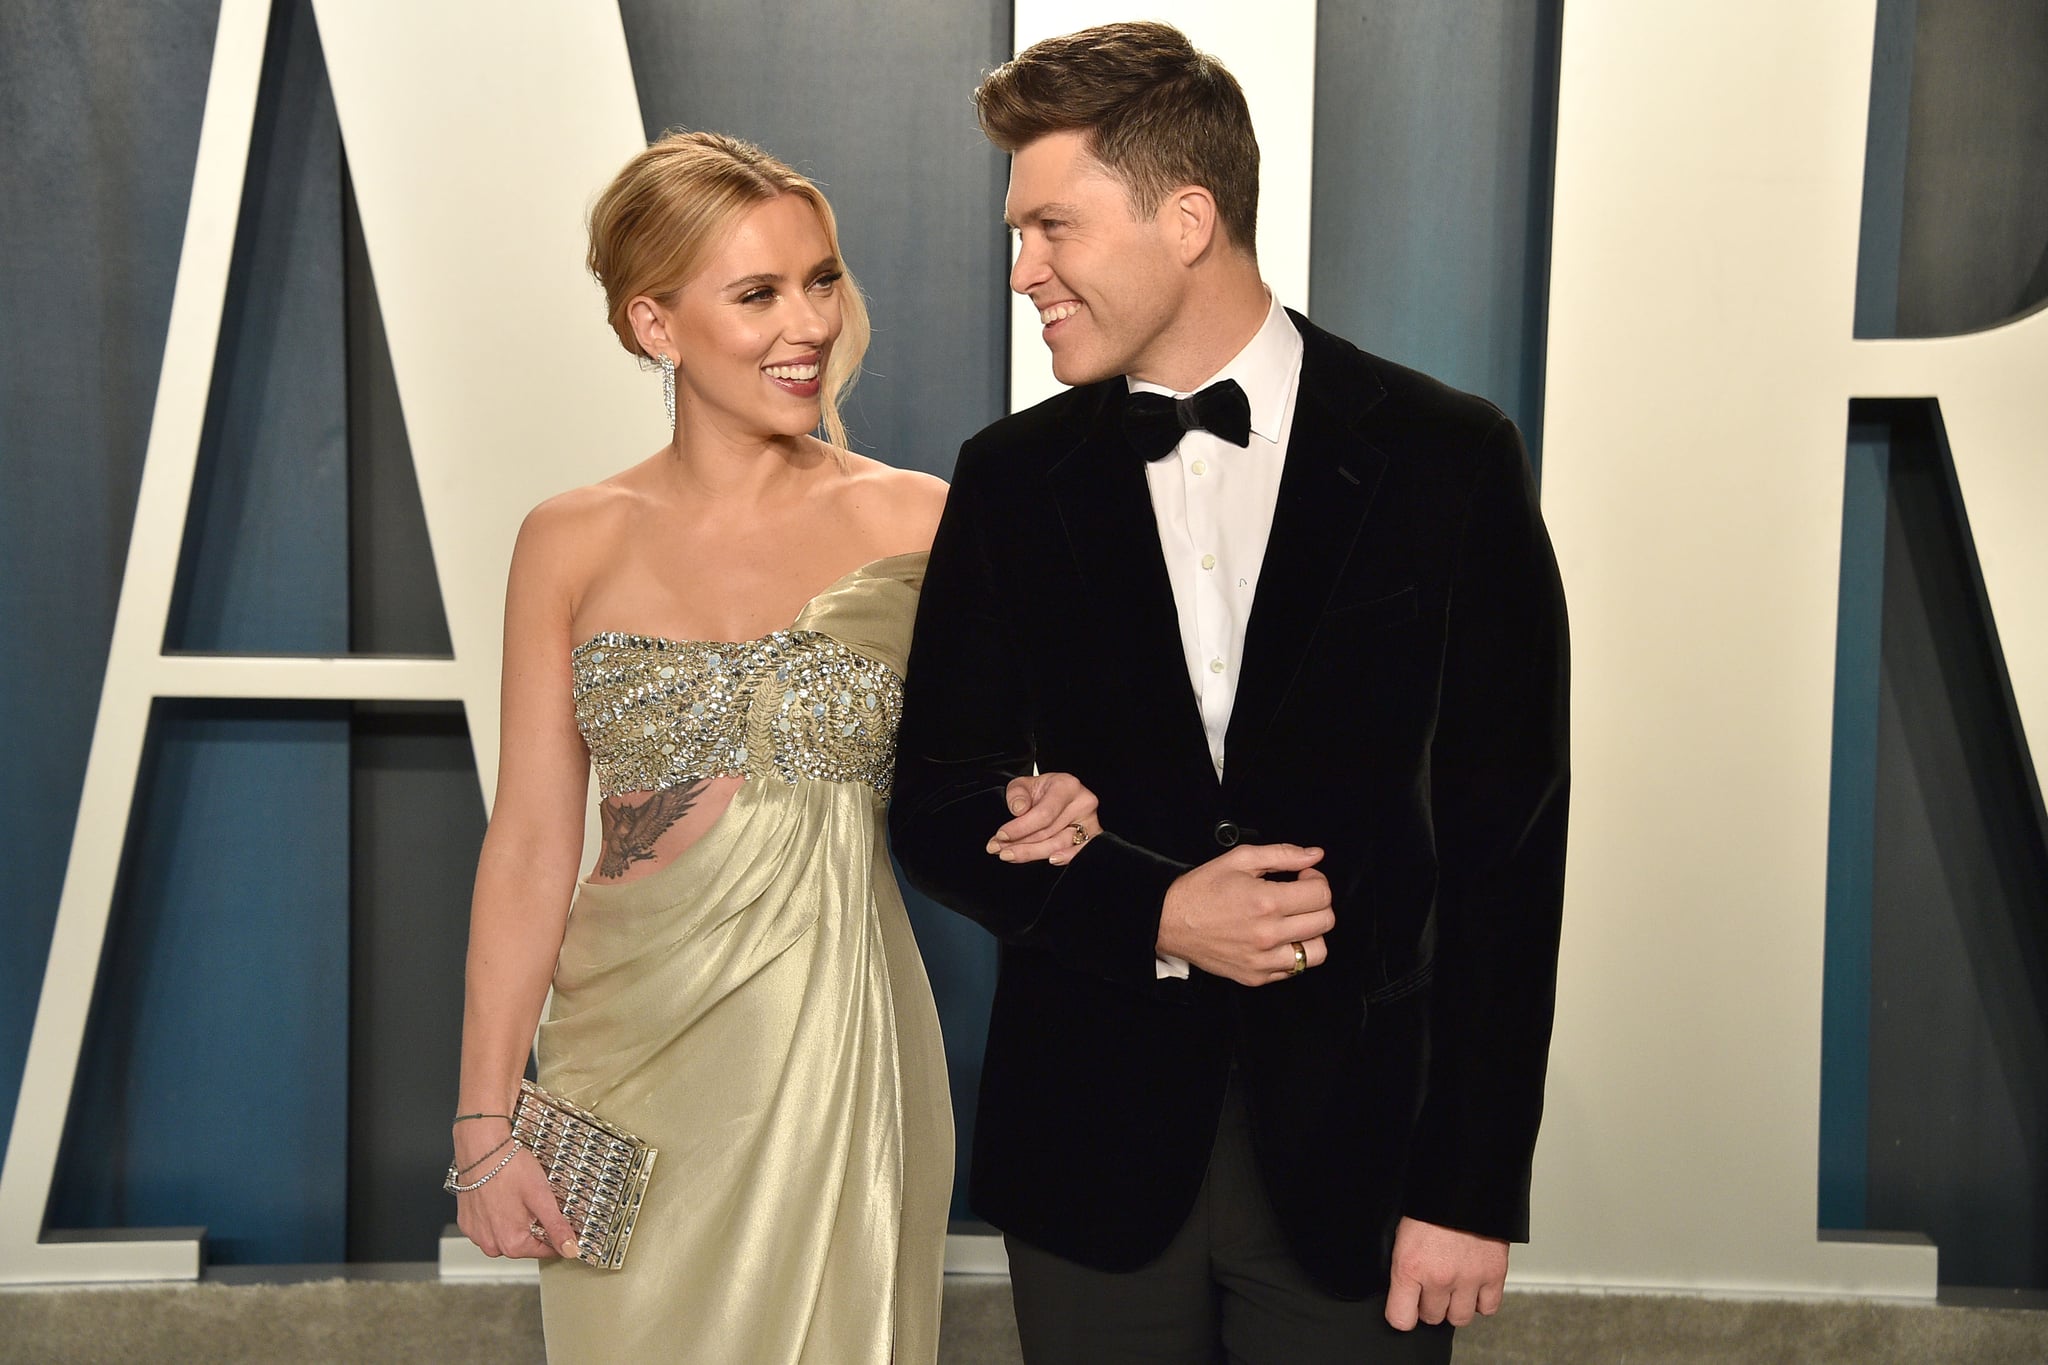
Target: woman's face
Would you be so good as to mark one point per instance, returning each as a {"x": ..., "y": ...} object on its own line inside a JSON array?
[{"x": 754, "y": 327}]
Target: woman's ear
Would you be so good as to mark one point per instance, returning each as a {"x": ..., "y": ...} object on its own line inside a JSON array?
[{"x": 650, "y": 327}]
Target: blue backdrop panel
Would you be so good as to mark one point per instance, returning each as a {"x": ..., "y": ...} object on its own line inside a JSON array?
[
  {"x": 1435, "y": 136},
  {"x": 1958, "y": 1018},
  {"x": 217, "y": 1054},
  {"x": 265, "y": 563},
  {"x": 1852, "y": 834},
  {"x": 1859, "y": 631}
]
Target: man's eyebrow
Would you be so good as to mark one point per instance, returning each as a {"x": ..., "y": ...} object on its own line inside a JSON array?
[{"x": 1061, "y": 211}]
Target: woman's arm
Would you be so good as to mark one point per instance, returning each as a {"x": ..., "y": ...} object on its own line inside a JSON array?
[{"x": 525, "y": 878}]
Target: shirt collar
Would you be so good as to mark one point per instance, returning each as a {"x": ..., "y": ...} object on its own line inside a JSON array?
[{"x": 1265, "y": 369}]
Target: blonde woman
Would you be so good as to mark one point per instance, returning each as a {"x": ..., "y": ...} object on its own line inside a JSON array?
[{"x": 721, "y": 630}]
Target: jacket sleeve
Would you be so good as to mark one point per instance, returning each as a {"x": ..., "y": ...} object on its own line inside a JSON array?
[
  {"x": 971, "y": 717},
  {"x": 1499, "y": 779}
]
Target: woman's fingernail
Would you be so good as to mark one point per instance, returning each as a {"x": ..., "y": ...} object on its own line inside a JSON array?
[
  {"x": 992, "y": 846},
  {"x": 1059, "y": 859},
  {"x": 1008, "y": 855},
  {"x": 569, "y": 1248}
]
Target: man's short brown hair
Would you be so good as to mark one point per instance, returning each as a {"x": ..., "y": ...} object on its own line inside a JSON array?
[{"x": 1158, "y": 114}]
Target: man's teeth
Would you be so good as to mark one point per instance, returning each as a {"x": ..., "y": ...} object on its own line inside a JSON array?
[
  {"x": 1048, "y": 316},
  {"x": 795, "y": 373}
]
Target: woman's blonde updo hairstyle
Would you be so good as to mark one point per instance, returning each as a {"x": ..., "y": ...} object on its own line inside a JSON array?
[{"x": 652, "y": 228}]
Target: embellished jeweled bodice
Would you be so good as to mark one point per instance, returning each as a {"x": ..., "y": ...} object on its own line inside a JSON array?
[{"x": 818, "y": 701}]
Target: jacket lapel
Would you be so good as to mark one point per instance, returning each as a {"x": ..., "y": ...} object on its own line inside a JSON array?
[
  {"x": 1326, "y": 488},
  {"x": 1105, "y": 509}
]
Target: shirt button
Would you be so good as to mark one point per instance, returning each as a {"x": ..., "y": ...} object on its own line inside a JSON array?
[
  {"x": 1208, "y": 561},
  {"x": 1215, "y": 665},
  {"x": 1199, "y": 467}
]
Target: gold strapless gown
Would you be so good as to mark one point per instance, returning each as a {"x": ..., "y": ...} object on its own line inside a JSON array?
[{"x": 758, "y": 1011}]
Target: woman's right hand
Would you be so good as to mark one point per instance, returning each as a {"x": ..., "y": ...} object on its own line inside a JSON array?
[
  {"x": 499, "y": 1216},
  {"x": 1054, "y": 817}
]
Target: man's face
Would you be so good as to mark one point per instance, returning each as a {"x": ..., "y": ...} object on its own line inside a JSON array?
[{"x": 1107, "y": 284}]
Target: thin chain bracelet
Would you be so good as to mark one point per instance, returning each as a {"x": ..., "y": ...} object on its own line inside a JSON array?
[
  {"x": 465, "y": 1118},
  {"x": 454, "y": 1186},
  {"x": 485, "y": 1157}
]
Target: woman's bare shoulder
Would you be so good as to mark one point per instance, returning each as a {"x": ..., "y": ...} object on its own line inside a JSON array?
[
  {"x": 564, "y": 542},
  {"x": 902, "y": 505},
  {"x": 591, "y": 513}
]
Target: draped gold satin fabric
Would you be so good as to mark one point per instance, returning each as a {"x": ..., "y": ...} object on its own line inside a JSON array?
[{"x": 757, "y": 1010}]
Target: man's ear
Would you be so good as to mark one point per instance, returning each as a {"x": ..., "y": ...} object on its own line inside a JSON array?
[
  {"x": 1193, "y": 218},
  {"x": 650, "y": 328}
]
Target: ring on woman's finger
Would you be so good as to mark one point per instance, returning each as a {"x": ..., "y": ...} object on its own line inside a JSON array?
[
  {"x": 1300, "y": 960},
  {"x": 540, "y": 1234},
  {"x": 1081, "y": 835}
]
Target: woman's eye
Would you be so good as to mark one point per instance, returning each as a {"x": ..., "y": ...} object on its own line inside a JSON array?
[
  {"x": 825, "y": 282},
  {"x": 759, "y": 294}
]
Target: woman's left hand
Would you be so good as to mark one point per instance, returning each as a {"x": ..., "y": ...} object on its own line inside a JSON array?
[{"x": 1054, "y": 820}]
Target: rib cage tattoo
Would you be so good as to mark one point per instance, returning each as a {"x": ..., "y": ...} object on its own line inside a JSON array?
[{"x": 631, "y": 831}]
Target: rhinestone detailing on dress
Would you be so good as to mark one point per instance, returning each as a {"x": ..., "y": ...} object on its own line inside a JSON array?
[{"x": 657, "y": 713}]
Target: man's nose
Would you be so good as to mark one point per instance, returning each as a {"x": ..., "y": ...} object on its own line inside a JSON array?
[{"x": 1029, "y": 271}]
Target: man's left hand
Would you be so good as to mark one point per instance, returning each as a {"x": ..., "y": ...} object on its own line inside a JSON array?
[{"x": 1444, "y": 1275}]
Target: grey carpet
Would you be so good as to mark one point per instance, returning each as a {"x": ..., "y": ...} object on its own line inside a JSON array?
[
  {"x": 1645, "y": 1329},
  {"x": 391, "y": 1319},
  {"x": 329, "y": 1321}
]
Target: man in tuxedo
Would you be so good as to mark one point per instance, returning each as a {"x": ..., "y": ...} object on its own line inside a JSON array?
[{"x": 1265, "y": 1063}]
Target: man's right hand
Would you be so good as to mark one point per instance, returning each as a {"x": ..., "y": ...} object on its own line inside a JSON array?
[{"x": 1227, "y": 919}]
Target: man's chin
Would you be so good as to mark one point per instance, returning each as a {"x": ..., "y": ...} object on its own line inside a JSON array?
[{"x": 1074, "y": 372}]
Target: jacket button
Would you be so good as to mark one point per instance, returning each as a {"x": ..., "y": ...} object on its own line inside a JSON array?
[{"x": 1228, "y": 834}]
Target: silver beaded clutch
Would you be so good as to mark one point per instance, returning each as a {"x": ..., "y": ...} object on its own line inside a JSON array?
[{"x": 597, "y": 1170}]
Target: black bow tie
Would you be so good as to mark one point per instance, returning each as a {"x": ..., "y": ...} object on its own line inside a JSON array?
[{"x": 1155, "y": 422}]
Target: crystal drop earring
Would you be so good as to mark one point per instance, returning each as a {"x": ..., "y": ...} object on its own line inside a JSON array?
[{"x": 668, "y": 389}]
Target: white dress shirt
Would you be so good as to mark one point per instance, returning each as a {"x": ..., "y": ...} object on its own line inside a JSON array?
[{"x": 1214, "y": 505}]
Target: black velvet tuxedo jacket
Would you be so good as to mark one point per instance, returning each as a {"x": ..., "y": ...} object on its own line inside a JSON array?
[{"x": 1401, "y": 704}]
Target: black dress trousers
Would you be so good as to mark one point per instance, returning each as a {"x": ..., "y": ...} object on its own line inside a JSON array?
[{"x": 1226, "y": 1289}]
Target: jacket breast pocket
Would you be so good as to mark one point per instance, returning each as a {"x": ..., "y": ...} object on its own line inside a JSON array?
[{"x": 1374, "y": 613}]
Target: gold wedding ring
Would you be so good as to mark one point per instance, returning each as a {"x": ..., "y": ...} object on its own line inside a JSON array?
[
  {"x": 1081, "y": 835},
  {"x": 1300, "y": 961}
]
